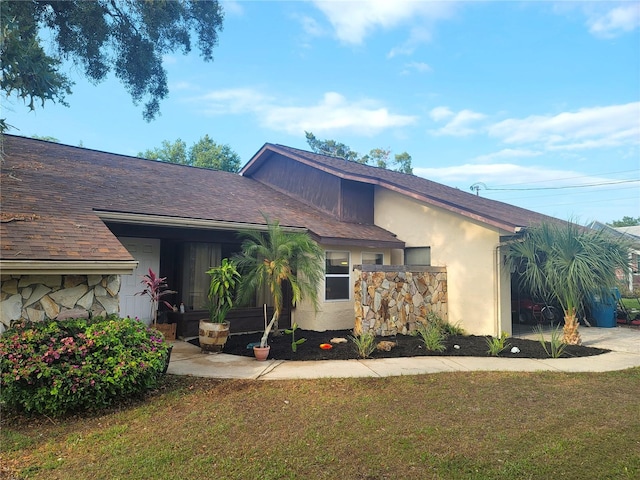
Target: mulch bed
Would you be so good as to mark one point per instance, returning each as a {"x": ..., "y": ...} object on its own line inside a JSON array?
[{"x": 407, "y": 346}]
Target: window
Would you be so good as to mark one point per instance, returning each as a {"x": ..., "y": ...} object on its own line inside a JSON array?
[
  {"x": 417, "y": 256},
  {"x": 370, "y": 258},
  {"x": 197, "y": 258},
  {"x": 337, "y": 276}
]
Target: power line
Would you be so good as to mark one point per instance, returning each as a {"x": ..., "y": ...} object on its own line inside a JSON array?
[
  {"x": 491, "y": 193},
  {"x": 570, "y": 178},
  {"x": 477, "y": 186}
]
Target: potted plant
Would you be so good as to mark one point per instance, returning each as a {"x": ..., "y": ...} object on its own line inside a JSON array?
[
  {"x": 272, "y": 259},
  {"x": 156, "y": 288},
  {"x": 214, "y": 331}
]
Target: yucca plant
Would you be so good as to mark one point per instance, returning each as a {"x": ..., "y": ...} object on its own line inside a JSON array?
[
  {"x": 497, "y": 344},
  {"x": 570, "y": 264},
  {"x": 364, "y": 343},
  {"x": 432, "y": 335},
  {"x": 556, "y": 347}
]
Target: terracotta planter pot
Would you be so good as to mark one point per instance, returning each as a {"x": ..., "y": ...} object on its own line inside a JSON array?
[
  {"x": 261, "y": 353},
  {"x": 213, "y": 336}
]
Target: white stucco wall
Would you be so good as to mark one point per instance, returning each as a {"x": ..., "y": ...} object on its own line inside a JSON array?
[
  {"x": 478, "y": 288},
  {"x": 334, "y": 314}
]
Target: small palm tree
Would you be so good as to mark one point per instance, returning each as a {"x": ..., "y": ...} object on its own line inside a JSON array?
[
  {"x": 274, "y": 257},
  {"x": 570, "y": 264}
]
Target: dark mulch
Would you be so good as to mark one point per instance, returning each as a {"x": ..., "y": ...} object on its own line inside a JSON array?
[{"x": 407, "y": 346}]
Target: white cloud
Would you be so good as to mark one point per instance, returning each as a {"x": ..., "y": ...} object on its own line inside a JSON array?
[
  {"x": 419, "y": 35},
  {"x": 333, "y": 113},
  {"x": 461, "y": 123},
  {"x": 501, "y": 175},
  {"x": 494, "y": 173},
  {"x": 232, "y": 7},
  {"x": 184, "y": 86},
  {"x": 621, "y": 19},
  {"x": 310, "y": 25},
  {"x": 506, "y": 153},
  {"x": 595, "y": 127},
  {"x": 440, "y": 113},
  {"x": 419, "y": 67},
  {"x": 353, "y": 21},
  {"x": 232, "y": 101}
]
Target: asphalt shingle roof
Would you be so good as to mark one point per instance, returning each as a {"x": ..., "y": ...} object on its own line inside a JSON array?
[
  {"x": 502, "y": 215},
  {"x": 50, "y": 193}
]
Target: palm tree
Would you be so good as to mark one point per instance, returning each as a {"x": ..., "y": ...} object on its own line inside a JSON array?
[
  {"x": 275, "y": 257},
  {"x": 570, "y": 264}
]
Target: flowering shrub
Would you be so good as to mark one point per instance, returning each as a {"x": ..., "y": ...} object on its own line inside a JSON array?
[{"x": 54, "y": 367}]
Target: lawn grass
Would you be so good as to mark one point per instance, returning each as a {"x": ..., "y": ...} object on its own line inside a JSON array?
[
  {"x": 631, "y": 303},
  {"x": 464, "y": 425}
]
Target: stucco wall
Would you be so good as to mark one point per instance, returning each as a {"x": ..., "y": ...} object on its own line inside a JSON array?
[
  {"x": 334, "y": 314},
  {"x": 36, "y": 297},
  {"x": 478, "y": 288}
]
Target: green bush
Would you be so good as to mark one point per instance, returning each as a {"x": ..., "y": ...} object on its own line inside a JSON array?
[{"x": 55, "y": 367}]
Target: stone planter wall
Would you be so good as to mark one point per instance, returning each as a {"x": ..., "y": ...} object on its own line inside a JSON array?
[
  {"x": 36, "y": 297},
  {"x": 390, "y": 299}
]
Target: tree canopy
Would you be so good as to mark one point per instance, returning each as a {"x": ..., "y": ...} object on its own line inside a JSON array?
[
  {"x": 127, "y": 37},
  {"x": 626, "y": 222},
  {"x": 379, "y": 157},
  {"x": 205, "y": 153}
]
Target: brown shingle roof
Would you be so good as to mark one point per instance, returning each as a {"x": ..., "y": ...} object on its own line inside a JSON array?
[
  {"x": 51, "y": 192},
  {"x": 502, "y": 215}
]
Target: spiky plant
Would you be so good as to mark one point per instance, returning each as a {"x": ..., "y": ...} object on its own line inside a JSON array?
[
  {"x": 276, "y": 257},
  {"x": 570, "y": 264},
  {"x": 156, "y": 288}
]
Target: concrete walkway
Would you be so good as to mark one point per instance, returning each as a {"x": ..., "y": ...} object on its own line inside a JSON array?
[{"x": 624, "y": 342}]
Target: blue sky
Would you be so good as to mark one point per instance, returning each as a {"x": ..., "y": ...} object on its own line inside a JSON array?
[{"x": 535, "y": 103}]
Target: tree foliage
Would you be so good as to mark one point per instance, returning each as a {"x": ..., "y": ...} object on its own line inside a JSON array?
[
  {"x": 274, "y": 258},
  {"x": 626, "y": 222},
  {"x": 378, "y": 157},
  {"x": 126, "y": 37},
  {"x": 569, "y": 264},
  {"x": 205, "y": 153}
]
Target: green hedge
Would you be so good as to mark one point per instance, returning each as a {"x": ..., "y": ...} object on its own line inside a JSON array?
[{"x": 55, "y": 367}]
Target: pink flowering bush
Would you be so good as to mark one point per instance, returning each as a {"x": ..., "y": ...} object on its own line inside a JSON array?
[{"x": 55, "y": 367}]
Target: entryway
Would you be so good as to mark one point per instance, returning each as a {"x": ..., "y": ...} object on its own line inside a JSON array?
[{"x": 147, "y": 252}]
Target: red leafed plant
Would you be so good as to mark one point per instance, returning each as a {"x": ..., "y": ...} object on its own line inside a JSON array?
[{"x": 156, "y": 288}]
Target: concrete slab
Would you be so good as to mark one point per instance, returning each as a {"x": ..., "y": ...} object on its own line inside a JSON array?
[
  {"x": 607, "y": 362},
  {"x": 187, "y": 359},
  {"x": 619, "y": 339}
]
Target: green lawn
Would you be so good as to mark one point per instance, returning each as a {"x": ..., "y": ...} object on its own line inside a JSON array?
[
  {"x": 631, "y": 303},
  {"x": 478, "y": 425}
]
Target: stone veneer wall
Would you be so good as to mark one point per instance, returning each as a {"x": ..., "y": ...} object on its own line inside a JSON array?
[
  {"x": 36, "y": 297},
  {"x": 390, "y": 299}
]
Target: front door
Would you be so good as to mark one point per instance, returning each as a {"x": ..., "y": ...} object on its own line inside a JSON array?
[{"x": 147, "y": 252}]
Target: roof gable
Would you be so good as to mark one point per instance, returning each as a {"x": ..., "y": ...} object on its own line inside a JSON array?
[{"x": 491, "y": 212}]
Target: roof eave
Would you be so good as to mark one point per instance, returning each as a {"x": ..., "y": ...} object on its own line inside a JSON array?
[
  {"x": 351, "y": 242},
  {"x": 184, "y": 222},
  {"x": 65, "y": 267}
]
